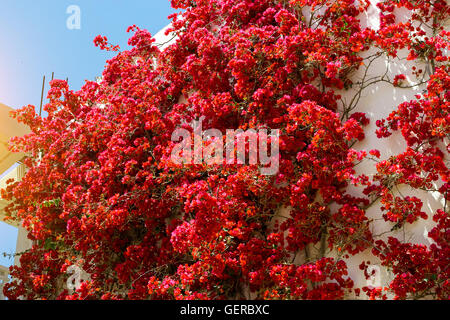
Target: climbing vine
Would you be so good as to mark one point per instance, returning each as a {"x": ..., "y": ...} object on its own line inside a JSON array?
[{"x": 102, "y": 192}]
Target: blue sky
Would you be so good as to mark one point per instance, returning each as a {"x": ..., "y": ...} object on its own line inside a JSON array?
[{"x": 35, "y": 41}]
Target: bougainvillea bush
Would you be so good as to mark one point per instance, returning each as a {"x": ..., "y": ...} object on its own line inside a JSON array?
[{"x": 101, "y": 191}]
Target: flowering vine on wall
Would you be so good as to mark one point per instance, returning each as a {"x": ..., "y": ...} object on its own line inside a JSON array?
[{"x": 102, "y": 193}]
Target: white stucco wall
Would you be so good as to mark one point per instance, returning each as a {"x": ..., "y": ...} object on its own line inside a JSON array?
[{"x": 378, "y": 101}]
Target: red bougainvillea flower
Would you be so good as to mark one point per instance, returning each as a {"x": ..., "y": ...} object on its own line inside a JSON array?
[{"x": 143, "y": 227}]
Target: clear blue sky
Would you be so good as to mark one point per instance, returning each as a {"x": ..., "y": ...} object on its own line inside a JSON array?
[{"x": 35, "y": 41}]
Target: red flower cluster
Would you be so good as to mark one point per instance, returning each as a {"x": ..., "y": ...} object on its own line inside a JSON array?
[{"x": 145, "y": 228}]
